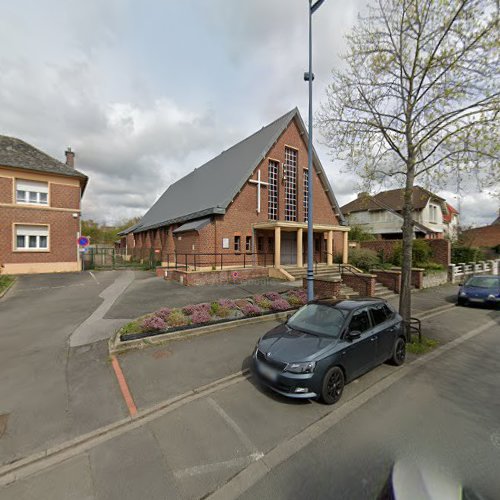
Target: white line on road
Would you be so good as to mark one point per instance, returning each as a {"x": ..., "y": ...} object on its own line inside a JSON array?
[
  {"x": 217, "y": 466},
  {"x": 236, "y": 428},
  {"x": 93, "y": 276},
  {"x": 258, "y": 470}
]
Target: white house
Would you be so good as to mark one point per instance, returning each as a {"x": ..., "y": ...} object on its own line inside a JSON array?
[{"x": 381, "y": 214}]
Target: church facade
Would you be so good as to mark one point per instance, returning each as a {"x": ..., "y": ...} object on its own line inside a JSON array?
[{"x": 246, "y": 206}]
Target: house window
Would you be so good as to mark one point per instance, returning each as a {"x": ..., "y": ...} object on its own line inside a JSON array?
[
  {"x": 290, "y": 184},
  {"x": 31, "y": 192},
  {"x": 32, "y": 238},
  {"x": 260, "y": 243},
  {"x": 306, "y": 194},
  {"x": 248, "y": 243},
  {"x": 272, "y": 203},
  {"x": 237, "y": 243}
]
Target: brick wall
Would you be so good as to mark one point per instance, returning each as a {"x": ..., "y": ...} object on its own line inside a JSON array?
[
  {"x": 364, "y": 284},
  {"x": 223, "y": 277},
  {"x": 390, "y": 279},
  {"x": 487, "y": 236},
  {"x": 64, "y": 196},
  {"x": 326, "y": 288},
  {"x": 62, "y": 235},
  {"x": 6, "y": 190}
]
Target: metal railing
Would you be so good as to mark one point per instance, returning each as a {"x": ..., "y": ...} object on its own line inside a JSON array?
[{"x": 217, "y": 260}]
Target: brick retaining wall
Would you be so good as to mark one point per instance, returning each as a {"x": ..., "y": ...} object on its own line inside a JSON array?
[
  {"x": 364, "y": 284},
  {"x": 226, "y": 276}
]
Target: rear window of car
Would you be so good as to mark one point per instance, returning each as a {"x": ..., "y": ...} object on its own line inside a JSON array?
[{"x": 380, "y": 313}]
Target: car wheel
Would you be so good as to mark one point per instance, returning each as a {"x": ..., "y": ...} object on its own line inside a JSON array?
[
  {"x": 333, "y": 385},
  {"x": 399, "y": 352}
]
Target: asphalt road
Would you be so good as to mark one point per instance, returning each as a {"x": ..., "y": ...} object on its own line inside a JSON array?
[{"x": 446, "y": 410}]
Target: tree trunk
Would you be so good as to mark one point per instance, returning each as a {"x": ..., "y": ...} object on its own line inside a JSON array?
[{"x": 405, "y": 293}]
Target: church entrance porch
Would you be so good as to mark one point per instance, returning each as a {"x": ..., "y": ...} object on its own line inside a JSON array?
[{"x": 288, "y": 242}]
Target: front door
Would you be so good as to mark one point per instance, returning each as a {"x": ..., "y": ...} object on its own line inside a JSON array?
[{"x": 288, "y": 248}]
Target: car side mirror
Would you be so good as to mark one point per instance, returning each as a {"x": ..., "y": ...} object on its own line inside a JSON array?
[{"x": 353, "y": 335}]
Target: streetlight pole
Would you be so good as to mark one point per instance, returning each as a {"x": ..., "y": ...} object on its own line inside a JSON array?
[{"x": 309, "y": 77}]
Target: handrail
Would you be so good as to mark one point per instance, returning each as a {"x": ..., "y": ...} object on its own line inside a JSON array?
[{"x": 351, "y": 269}]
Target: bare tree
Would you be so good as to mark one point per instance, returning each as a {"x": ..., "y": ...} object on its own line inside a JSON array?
[{"x": 419, "y": 92}]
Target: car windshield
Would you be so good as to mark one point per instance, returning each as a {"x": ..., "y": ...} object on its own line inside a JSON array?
[
  {"x": 484, "y": 281},
  {"x": 318, "y": 319}
]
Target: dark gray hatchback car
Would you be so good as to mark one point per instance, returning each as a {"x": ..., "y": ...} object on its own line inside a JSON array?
[{"x": 326, "y": 344}]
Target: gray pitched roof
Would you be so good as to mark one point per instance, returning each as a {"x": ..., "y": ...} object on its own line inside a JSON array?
[
  {"x": 194, "y": 225},
  {"x": 19, "y": 154},
  {"x": 210, "y": 188}
]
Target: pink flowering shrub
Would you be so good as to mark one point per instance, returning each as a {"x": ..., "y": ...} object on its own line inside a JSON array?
[
  {"x": 228, "y": 303},
  {"x": 272, "y": 295},
  {"x": 280, "y": 305},
  {"x": 163, "y": 313},
  {"x": 200, "y": 316},
  {"x": 153, "y": 323},
  {"x": 251, "y": 310},
  {"x": 191, "y": 309}
]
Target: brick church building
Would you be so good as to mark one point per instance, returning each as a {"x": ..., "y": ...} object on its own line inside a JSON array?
[{"x": 246, "y": 206}]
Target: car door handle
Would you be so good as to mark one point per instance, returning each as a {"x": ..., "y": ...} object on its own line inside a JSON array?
[{"x": 373, "y": 338}]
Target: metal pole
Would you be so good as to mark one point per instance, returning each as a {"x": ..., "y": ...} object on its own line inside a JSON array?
[{"x": 310, "y": 175}]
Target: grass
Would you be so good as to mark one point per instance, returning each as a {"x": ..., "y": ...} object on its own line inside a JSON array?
[
  {"x": 421, "y": 348},
  {"x": 5, "y": 282}
]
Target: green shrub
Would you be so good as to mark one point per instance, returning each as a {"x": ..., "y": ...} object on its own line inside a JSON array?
[
  {"x": 465, "y": 254},
  {"x": 364, "y": 258},
  {"x": 429, "y": 266},
  {"x": 357, "y": 233},
  {"x": 214, "y": 308},
  {"x": 177, "y": 318},
  {"x": 421, "y": 253}
]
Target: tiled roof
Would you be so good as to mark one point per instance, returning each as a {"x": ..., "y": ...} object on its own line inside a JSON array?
[
  {"x": 210, "y": 189},
  {"x": 19, "y": 154},
  {"x": 393, "y": 199}
]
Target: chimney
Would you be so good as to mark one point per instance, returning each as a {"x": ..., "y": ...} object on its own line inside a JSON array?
[
  {"x": 363, "y": 194},
  {"x": 70, "y": 158}
]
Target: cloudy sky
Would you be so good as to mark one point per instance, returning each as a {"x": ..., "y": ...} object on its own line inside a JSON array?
[{"x": 146, "y": 91}]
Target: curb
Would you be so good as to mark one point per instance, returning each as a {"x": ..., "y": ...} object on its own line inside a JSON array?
[
  {"x": 116, "y": 346},
  {"x": 44, "y": 459},
  {"x": 5, "y": 290}
]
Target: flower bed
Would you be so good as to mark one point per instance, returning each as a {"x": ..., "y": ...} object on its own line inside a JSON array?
[{"x": 167, "y": 320}]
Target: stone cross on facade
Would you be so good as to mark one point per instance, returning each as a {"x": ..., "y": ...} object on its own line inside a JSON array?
[{"x": 259, "y": 183}]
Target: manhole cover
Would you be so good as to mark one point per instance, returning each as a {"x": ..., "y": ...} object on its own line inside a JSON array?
[{"x": 3, "y": 423}]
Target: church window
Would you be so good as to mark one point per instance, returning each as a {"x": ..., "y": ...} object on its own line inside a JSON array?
[
  {"x": 290, "y": 184},
  {"x": 273, "y": 191},
  {"x": 306, "y": 194},
  {"x": 248, "y": 244},
  {"x": 237, "y": 243}
]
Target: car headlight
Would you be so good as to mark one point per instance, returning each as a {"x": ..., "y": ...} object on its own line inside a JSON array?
[
  {"x": 463, "y": 294},
  {"x": 307, "y": 367}
]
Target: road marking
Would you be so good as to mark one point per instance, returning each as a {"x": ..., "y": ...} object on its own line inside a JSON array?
[
  {"x": 217, "y": 466},
  {"x": 93, "y": 276},
  {"x": 236, "y": 428},
  {"x": 37, "y": 462},
  {"x": 127, "y": 396},
  {"x": 256, "y": 471}
]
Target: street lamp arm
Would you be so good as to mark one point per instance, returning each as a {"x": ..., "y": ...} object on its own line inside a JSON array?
[{"x": 316, "y": 6}]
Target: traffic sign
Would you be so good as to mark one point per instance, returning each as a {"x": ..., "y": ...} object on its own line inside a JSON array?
[{"x": 83, "y": 241}]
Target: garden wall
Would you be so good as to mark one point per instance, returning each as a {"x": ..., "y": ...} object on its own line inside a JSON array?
[
  {"x": 435, "y": 279},
  {"x": 220, "y": 277}
]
